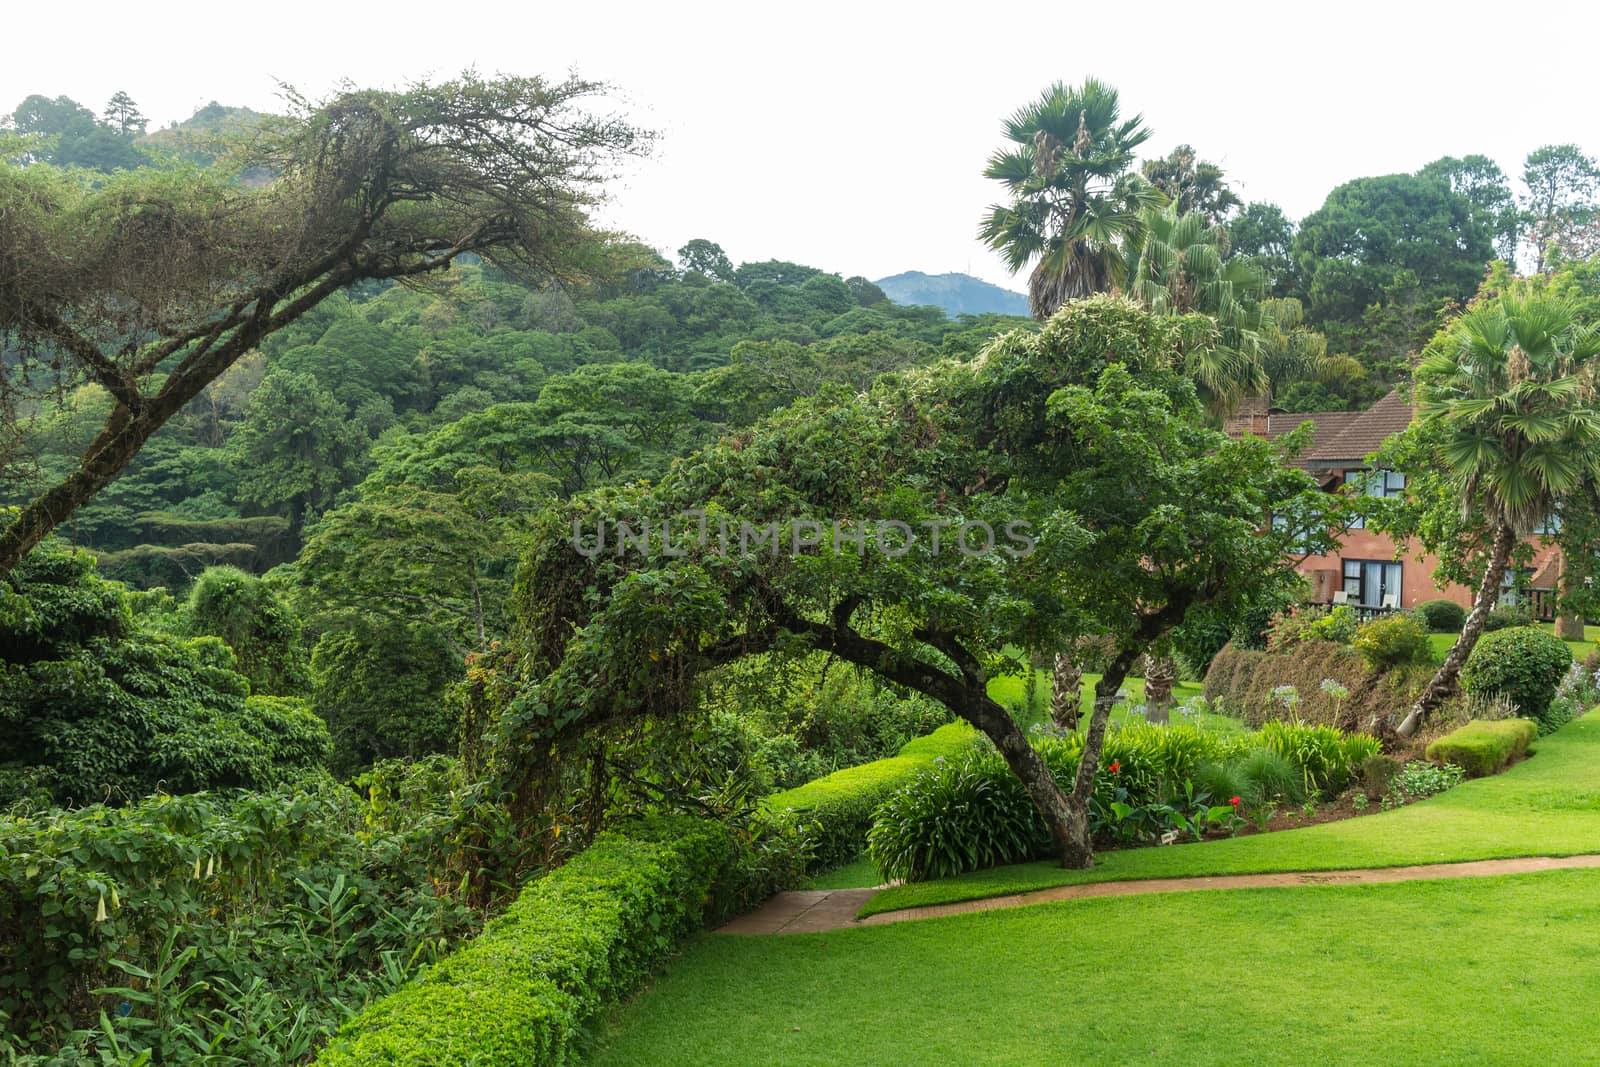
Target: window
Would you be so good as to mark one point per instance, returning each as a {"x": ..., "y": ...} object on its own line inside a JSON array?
[
  {"x": 1515, "y": 586},
  {"x": 1550, "y": 526},
  {"x": 1369, "y": 582},
  {"x": 1378, "y": 483}
]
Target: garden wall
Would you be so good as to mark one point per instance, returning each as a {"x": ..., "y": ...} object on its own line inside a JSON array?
[{"x": 1243, "y": 681}]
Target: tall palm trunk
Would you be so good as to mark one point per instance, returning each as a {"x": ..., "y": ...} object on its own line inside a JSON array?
[
  {"x": 1443, "y": 683},
  {"x": 1066, "y": 690},
  {"x": 1160, "y": 675}
]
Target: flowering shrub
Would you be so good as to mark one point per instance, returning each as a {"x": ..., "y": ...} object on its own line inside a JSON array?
[{"x": 1393, "y": 640}]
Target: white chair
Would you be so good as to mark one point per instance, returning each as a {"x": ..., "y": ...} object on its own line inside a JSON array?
[
  {"x": 1392, "y": 601},
  {"x": 1341, "y": 597}
]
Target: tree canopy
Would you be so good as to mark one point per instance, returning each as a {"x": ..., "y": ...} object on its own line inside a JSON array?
[
  {"x": 1062, "y": 484},
  {"x": 152, "y": 283}
]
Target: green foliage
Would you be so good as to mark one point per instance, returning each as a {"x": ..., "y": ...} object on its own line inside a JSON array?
[
  {"x": 382, "y": 690},
  {"x": 1484, "y": 748},
  {"x": 1524, "y": 663},
  {"x": 967, "y": 812},
  {"x": 576, "y": 941},
  {"x": 1268, "y": 776},
  {"x": 1442, "y": 616},
  {"x": 1326, "y": 757},
  {"x": 209, "y": 927},
  {"x": 253, "y": 620},
  {"x": 963, "y": 814},
  {"x": 1071, "y": 191},
  {"x": 835, "y": 812},
  {"x": 1418, "y": 780},
  {"x": 1374, "y": 232},
  {"x": 96, "y": 709},
  {"x": 1506, "y": 619},
  {"x": 1393, "y": 640}
]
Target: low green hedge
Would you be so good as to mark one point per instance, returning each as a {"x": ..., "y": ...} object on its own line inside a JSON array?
[
  {"x": 574, "y": 942},
  {"x": 1484, "y": 747},
  {"x": 835, "y": 811}
]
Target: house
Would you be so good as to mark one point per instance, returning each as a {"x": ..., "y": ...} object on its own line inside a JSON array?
[{"x": 1367, "y": 571}]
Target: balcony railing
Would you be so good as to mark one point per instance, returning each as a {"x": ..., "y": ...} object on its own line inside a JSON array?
[
  {"x": 1540, "y": 603},
  {"x": 1364, "y": 612}
]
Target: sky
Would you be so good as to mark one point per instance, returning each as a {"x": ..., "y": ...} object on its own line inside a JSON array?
[{"x": 852, "y": 136}]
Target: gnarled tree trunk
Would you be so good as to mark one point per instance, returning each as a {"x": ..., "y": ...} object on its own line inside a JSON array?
[
  {"x": 1444, "y": 682},
  {"x": 1078, "y": 850}
]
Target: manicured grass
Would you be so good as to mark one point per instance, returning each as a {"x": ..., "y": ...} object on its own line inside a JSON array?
[
  {"x": 1010, "y": 691},
  {"x": 1548, "y": 805},
  {"x": 1485, "y": 971},
  {"x": 859, "y": 873}
]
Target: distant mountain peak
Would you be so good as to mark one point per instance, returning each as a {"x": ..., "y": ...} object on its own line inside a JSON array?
[{"x": 958, "y": 294}]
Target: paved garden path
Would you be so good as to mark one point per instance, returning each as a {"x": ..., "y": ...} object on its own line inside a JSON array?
[{"x": 816, "y": 910}]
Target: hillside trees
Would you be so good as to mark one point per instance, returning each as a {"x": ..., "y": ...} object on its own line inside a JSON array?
[{"x": 152, "y": 283}]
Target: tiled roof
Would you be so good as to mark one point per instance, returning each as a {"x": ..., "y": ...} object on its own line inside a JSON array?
[{"x": 1363, "y": 434}]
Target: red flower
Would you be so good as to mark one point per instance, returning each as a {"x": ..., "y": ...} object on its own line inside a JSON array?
[
  {"x": 1116, "y": 765},
  {"x": 1234, "y": 801}
]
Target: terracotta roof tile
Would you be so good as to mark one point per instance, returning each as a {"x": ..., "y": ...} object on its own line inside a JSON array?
[{"x": 1365, "y": 433}]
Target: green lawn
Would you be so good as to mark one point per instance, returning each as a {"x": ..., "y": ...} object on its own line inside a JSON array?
[
  {"x": 1011, "y": 692},
  {"x": 859, "y": 873},
  {"x": 1548, "y": 805},
  {"x": 1474, "y": 971}
]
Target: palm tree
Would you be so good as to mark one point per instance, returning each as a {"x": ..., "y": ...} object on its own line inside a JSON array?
[
  {"x": 1178, "y": 264},
  {"x": 1074, "y": 198},
  {"x": 1512, "y": 391},
  {"x": 1192, "y": 184}
]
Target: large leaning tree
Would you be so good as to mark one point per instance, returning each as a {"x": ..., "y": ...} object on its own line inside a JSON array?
[
  {"x": 150, "y": 283},
  {"x": 1063, "y": 484},
  {"x": 1507, "y": 430}
]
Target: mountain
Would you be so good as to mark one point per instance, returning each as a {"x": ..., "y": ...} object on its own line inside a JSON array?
[{"x": 958, "y": 294}]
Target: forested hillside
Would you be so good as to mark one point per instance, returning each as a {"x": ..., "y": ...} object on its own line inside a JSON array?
[{"x": 305, "y": 671}]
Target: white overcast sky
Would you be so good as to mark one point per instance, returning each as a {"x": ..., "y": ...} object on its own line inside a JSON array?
[{"x": 851, "y": 136}]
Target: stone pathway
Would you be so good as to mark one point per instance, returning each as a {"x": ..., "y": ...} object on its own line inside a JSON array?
[{"x": 817, "y": 910}]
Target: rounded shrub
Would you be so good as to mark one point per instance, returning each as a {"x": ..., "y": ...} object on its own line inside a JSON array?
[
  {"x": 1524, "y": 664},
  {"x": 1393, "y": 640},
  {"x": 1442, "y": 616}
]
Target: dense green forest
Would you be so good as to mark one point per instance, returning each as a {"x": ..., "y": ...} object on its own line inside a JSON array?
[{"x": 316, "y": 636}]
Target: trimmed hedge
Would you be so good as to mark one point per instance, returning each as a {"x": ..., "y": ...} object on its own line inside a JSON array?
[
  {"x": 835, "y": 812},
  {"x": 1484, "y": 747},
  {"x": 575, "y": 941},
  {"x": 1525, "y": 664},
  {"x": 1442, "y": 616}
]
